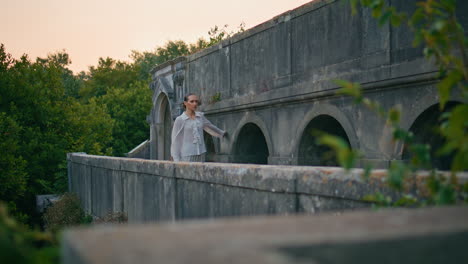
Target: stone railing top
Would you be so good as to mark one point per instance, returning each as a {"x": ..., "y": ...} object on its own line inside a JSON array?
[
  {"x": 429, "y": 235},
  {"x": 139, "y": 147},
  {"x": 168, "y": 63},
  {"x": 326, "y": 181}
]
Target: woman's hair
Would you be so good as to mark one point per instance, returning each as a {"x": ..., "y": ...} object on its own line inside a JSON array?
[{"x": 186, "y": 99}]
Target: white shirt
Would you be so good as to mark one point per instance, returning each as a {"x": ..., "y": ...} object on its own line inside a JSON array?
[{"x": 187, "y": 135}]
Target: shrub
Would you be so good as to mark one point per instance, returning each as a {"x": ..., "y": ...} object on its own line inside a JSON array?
[{"x": 67, "y": 211}]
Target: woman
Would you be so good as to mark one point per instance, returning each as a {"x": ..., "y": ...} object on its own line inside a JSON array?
[{"x": 187, "y": 133}]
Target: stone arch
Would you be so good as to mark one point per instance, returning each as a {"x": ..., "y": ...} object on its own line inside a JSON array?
[
  {"x": 326, "y": 118},
  {"x": 417, "y": 108},
  {"x": 160, "y": 100},
  {"x": 251, "y": 141},
  {"x": 210, "y": 146},
  {"x": 424, "y": 128},
  {"x": 251, "y": 146},
  {"x": 162, "y": 124},
  {"x": 421, "y": 105},
  {"x": 162, "y": 85}
]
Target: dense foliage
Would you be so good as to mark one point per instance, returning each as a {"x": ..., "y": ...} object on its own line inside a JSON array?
[
  {"x": 19, "y": 244},
  {"x": 46, "y": 111},
  {"x": 40, "y": 123}
]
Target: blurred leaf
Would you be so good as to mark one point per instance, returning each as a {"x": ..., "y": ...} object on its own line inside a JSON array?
[
  {"x": 345, "y": 155},
  {"x": 445, "y": 86},
  {"x": 367, "y": 172},
  {"x": 443, "y": 39},
  {"x": 403, "y": 135},
  {"x": 457, "y": 123},
  {"x": 378, "y": 198},
  {"x": 354, "y": 4},
  {"x": 445, "y": 195},
  {"x": 421, "y": 155},
  {"x": 349, "y": 88},
  {"x": 460, "y": 161},
  {"x": 385, "y": 17},
  {"x": 438, "y": 25},
  {"x": 446, "y": 149},
  {"x": 396, "y": 20},
  {"x": 394, "y": 116},
  {"x": 396, "y": 175},
  {"x": 406, "y": 200}
]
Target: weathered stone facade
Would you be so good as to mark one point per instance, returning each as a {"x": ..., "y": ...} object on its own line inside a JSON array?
[{"x": 273, "y": 85}]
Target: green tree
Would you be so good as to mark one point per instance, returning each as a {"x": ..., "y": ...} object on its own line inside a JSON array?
[
  {"x": 120, "y": 91},
  {"x": 46, "y": 111},
  {"x": 146, "y": 61},
  {"x": 107, "y": 74},
  {"x": 172, "y": 50},
  {"x": 128, "y": 107},
  {"x": 40, "y": 123},
  {"x": 13, "y": 174}
]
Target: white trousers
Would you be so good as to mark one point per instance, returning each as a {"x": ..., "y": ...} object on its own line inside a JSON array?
[{"x": 194, "y": 158}]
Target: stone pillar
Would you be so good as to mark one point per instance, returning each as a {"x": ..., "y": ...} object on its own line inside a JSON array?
[{"x": 153, "y": 142}]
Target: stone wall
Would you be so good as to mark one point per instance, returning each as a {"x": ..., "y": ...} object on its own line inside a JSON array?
[
  {"x": 279, "y": 77},
  {"x": 150, "y": 190},
  {"x": 304, "y": 49}
]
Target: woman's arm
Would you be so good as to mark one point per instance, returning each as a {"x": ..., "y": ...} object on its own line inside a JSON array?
[
  {"x": 212, "y": 129},
  {"x": 177, "y": 138}
]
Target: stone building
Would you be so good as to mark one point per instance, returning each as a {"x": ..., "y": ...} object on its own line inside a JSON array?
[{"x": 273, "y": 85}]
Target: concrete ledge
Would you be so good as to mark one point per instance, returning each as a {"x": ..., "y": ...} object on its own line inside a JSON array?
[
  {"x": 162, "y": 168},
  {"x": 168, "y": 63},
  {"x": 429, "y": 235},
  {"x": 152, "y": 190},
  {"x": 141, "y": 151},
  {"x": 265, "y": 178},
  {"x": 330, "y": 181}
]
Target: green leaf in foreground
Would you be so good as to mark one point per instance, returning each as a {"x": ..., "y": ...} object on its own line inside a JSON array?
[{"x": 345, "y": 155}]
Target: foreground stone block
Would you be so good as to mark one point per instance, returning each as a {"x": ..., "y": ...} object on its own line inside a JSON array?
[{"x": 430, "y": 235}]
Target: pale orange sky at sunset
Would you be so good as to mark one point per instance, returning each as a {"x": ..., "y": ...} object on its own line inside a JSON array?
[{"x": 89, "y": 29}]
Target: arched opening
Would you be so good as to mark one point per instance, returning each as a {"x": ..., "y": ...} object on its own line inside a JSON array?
[
  {"x": 210, "y": 148},
  {"x": 164, "y": 137},
  {"x": 426, "y": 131},
  {"x": 311, "y": 153},
  {"x": 251, "y": 146}
]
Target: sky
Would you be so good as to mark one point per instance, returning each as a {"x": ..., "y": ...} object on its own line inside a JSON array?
[{"x": 89, "y": 29}]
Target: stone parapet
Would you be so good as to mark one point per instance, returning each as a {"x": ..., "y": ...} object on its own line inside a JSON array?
[
  {"x": 152, "y": 190},
  {"x": 429, "y": 235}
]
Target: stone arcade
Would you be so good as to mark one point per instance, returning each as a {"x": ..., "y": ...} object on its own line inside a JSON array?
[{"x": 273, "y": 85}]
